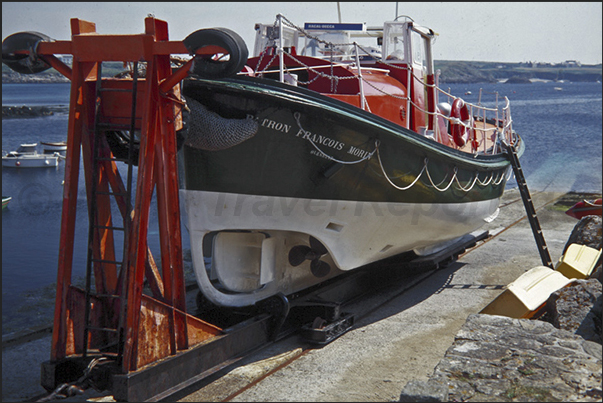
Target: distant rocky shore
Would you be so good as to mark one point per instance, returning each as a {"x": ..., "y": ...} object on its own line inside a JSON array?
[
  {"x": 555, "y": 358},
  {"x": 9, "y": 112},
  {"x": 452, "y": 71},
  {"x": 43, "y": 78}
]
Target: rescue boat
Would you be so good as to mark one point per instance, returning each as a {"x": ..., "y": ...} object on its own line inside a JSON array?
[{"x": 322, "y": 153}]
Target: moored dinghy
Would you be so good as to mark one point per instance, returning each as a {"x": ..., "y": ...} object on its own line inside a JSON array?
[
  {"x": 323, "y": 155},
  {"x": 52, "y": 147}
]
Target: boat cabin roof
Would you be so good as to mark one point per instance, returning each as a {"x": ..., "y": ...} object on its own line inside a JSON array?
[
  {"x": 27, "y": 148},
  {"x": 395, "y": 40}
]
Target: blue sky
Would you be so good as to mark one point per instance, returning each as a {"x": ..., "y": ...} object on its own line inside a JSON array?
[{"x": 503, "y": 32}]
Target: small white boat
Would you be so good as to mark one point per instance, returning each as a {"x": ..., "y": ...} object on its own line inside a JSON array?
[
  {"x": 51, "y": 147},
  {"x": 27, "y": 156},
  {"x": 5, "y": 201}
]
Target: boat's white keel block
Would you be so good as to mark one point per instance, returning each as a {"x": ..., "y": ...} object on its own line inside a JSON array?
[{"x": 244, "y": 249}]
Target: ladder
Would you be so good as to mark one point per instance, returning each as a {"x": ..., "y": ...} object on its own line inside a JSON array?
[
  {"x": 545, "y": 256},
  {"x": 113, "y": 339}
]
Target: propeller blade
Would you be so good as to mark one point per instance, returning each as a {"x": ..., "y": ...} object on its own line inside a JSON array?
[
  {"x": 319, "y": 268},
  {"x": 317, "y": 246},
  {"x": 297, "y": 254}
]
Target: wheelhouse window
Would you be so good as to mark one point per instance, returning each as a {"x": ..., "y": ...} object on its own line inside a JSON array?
[
  {"x": 328, "y": 45},
  {"x": 394, "y": 47},
  {"x": 267, "y": 36}
]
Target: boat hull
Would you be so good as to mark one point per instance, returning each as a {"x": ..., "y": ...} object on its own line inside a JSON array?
[
  {"x": 354, "y": 233},
  {"x": 5, "y": 201},
  {"x": 40, "y": 161},
  {"x": 51, "y": 148},
  {"x": 585, "y": 208},
  {"x": 364, "y": 187}
]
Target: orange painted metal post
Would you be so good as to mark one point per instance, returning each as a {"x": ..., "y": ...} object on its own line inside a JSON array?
[
  {"x": 79, "y": 109},
  {"x": 167, "y": 187},
  {"x": 138, "y": 244},
  {"x": 162, "y": 69},
  {"x": 144, "y": 190},
  {"x": 158, "y": 120}
]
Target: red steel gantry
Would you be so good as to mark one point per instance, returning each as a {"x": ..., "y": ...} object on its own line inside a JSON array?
[{"x": 112, "y": 318}]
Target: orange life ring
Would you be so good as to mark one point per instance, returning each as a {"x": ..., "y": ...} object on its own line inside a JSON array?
[{"x": 460, "y": 133}]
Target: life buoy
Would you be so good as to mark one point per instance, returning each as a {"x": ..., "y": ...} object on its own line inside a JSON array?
[{"x": 460, "y": 132}]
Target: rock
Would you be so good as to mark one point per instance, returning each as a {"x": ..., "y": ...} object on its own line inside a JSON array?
[
  {"x": 419, "y": 391},
  {"x": 577, "y": 309},
  {"x": 586, "y": 232},
  {"x": 31, "y": 111},
  {"x": 518, "y": 80},
  {"x": 496, "y": 358},
  {"x": 558, "y": 358}
]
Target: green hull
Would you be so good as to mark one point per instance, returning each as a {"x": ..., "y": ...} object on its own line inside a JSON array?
[{"x": 311, "y": 146}]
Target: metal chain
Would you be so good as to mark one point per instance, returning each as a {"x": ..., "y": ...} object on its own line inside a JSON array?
[{"x": 78, "y": 387}]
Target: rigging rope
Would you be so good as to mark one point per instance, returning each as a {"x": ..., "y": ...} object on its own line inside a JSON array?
[{"x": 272, "y": 36}]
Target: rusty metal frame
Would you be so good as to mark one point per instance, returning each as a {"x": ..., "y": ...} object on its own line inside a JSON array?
[{"x": 153, "y": 328}]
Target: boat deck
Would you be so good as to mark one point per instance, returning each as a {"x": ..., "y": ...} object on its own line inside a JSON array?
[{"x": 485, "y": 133}]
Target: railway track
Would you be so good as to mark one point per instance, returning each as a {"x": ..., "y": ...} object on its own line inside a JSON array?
[
  {"x": 228, "y": 384},
  {"x": 359, "y": 293}
]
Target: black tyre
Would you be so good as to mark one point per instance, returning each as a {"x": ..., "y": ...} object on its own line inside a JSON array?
[
  {"x": 13, "y": 47},
  {"x": 207, "y": 67}
]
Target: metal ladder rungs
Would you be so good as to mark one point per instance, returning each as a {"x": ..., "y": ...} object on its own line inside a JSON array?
[
  {"x": 116, "y": 90},
  {"x": 114, "y": 126},
  {"x": 110, "y": 193},
  {"x": 109, "y": 227},
  {"x": 529, "y": 206},
  {"x": 100, "y": 130},
  {"x": 106, "y": 261},
  {"x": 102, "y": 329},
  {"x": 112, "y": 159},
  {"x": 104, "y": 295},
  {"x": 107, "y": 346}
]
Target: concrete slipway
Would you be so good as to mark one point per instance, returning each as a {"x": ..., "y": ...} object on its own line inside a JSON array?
[{"x": 402, "y": 340}]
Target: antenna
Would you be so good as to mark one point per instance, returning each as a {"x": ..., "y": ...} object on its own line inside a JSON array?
[{"x": 339, "y": 11}]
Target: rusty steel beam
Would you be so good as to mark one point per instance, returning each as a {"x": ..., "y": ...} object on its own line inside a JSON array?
[
  {"x": 176, "y": 372},
  {"x": 158, "y": 117}
]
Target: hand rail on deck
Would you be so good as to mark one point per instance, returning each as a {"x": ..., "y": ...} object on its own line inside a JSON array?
[{"x": 503, "y": 127}]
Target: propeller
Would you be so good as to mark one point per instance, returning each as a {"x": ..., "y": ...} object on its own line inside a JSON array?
[{"x": 300, "y": 253}]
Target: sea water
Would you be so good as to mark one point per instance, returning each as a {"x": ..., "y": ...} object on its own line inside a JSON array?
[{"x": 559, "y": 122}]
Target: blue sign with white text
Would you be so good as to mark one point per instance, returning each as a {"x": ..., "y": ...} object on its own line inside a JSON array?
[{"x": 333, "y": 26}]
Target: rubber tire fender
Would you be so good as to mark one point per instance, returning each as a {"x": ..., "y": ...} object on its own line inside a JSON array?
[
  {"x": 20, "y": 42},
  {"x": 231, "y": 41}
]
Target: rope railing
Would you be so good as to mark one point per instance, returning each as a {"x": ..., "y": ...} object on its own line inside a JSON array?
[
  {"x": 424, "y": 170},
  {"x": 478, "y": 113}
]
